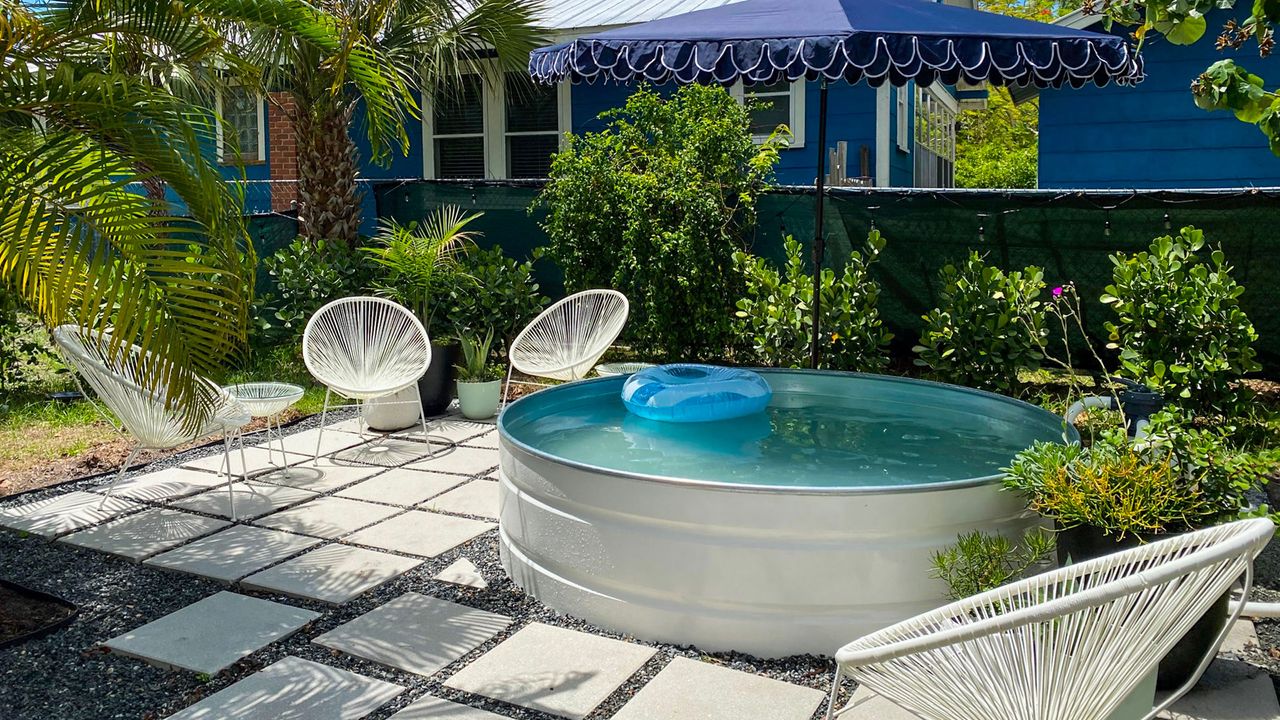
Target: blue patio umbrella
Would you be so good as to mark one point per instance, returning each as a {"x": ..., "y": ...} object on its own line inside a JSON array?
[{"x": 877, "y": 41}]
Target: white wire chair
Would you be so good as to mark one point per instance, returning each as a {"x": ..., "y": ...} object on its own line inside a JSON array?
[
  {"x": 1070, "y": 644},
  {"x": 365, "y": 348},
  {"x": 144, "y": 414},
  {"x": 568, "y": 338}
]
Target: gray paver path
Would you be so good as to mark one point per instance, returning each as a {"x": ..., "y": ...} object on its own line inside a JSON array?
[
  {"x": 211, "y": 634},
  {"x": 65, "y": 513},
  {"x": 450, "y": 428},
  {"x": 460, "y": 460},
  {"x": 462, "y": 572},
  {"x": 328, "y": 517},
  {"x": 433, "y": 708},
  {"x": 403, "y": 487},
  {"x": 488, "y": 440},
  {"x": 146, "y": 533},
  {"x": 478, "y": 497},
  {"x": 233, "y": 553},
  {"x": 558, "y": 671},
  {"x": 420, "y": 533},
  {"x": 334, "y": 573},
  {"x": 319, "y": 476},
  {"x": 256, "y": 459},
  {"x": 691, "y": 690},
  {"x": 415, "y": 633},
  {"x": 252, "y": 499},
  {"x": 304, "y": 443},
  {"x": 295, "y": 689},
  {"x": 164, "y": 484},
  {"x": 386, "y": 452}
]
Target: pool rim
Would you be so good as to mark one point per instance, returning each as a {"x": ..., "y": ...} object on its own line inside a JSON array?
[{"x": 1071, "y": 435}]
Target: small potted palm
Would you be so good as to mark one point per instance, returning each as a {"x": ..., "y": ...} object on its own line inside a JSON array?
[
  {"x": 422, "y": 271},
  {"x": 479, "y": 381}
]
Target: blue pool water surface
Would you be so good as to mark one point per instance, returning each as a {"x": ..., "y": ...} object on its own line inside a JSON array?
[{"x": 824, "y": 430}]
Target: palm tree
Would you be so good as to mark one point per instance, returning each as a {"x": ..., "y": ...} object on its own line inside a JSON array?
[
  {"x": 420, "y": 44},
  {"x": 77, "y": 243}
]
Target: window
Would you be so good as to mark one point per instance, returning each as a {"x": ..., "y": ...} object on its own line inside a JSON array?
[
  {"x": 532, "y": 126},
  {"x": 935, "y": 136},
  {"x": 497, "y": 126},
  {"x": 780, "y": 103},
  {"x": 241, "y": 138},
  {"x": 457, "y": 124}
]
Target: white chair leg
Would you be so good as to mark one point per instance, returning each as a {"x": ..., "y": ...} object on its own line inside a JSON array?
[
  {"x": 284, "y": 459},
  {"x": 324, "y": 414},
  {"x": 124, "y": 468},
  {"x": 271, "y": 453},
  {"x": 231, "y": 493},
  {"x": 244, "y": 465},
  {"x": 835, "y": 690},
  {"x": 422, "y": 415},
  {"x": 506, "y": 387}
]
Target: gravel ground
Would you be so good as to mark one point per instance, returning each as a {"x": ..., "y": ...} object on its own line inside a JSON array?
[{"x": 67, "y": 675}]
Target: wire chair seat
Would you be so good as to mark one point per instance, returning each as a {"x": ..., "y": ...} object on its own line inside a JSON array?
[
  {"x": 1070, "y": 644},
  {"x": 144, "y": 413},
  {"x": 365, "y": 347},
  {"x": 567, "y": 339}
]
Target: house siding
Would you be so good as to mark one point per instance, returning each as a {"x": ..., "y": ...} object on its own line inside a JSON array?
[{"x": 1153, "y": 135}]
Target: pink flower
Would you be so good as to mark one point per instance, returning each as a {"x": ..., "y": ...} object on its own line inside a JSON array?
[{"x": 1057, "y": 292}]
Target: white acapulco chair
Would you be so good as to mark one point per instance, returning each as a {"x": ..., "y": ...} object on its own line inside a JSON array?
[
  {"x": 1070, "y": 644},
  {"x": 143, "y": 413},
  {"x": 364, "y": 348},
  {"x": 568, "y": 338}
]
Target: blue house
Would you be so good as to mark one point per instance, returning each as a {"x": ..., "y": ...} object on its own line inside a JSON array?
[
  {"x": 1153, "y": 135},
  {"x": 506, "y": 128}
]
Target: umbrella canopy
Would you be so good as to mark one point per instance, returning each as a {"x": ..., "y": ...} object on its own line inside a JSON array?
[
  {"x": 877, "y": 41},
  {"x": 873, "y": 40}
]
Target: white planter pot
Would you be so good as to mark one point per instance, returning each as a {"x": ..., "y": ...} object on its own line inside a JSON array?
[
  {"x": 394, "y": 412},
  {"x": 479, "y": 401}
]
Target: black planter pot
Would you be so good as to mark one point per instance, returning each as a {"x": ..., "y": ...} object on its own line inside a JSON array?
[
  {"x": 1085, "y": 543},
  {"x": 437, "y": 385}
]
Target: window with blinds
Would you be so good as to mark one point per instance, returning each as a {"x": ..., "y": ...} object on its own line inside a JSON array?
[
  {"x": 458, "y": 129},
  {"x": 532, "y": 129},
  {"x": 240, "y": 125}
]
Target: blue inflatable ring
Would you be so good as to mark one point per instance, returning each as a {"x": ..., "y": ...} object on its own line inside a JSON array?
[{"x": 695, "y": 393}]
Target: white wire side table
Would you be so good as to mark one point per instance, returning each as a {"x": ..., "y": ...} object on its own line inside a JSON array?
[{"x": 268, "y": 400}]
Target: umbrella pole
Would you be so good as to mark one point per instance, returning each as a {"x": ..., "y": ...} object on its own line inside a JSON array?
[{"x": 819, "y": 239}]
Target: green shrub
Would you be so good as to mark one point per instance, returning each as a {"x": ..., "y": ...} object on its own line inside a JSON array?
[
  {"x": 979, "y": 562},
  {"x": 775, "y": 319},
  {"x": 306, "y": 275},
  {"x": 504, "y": 297},
  {"x": 988, "y": 325},
  {"x": 1120, "y": 488},
  {"x": 1179, "y": 326},
  {"x": 420, "y": 266},
  {"x": 655, "y": 206}
]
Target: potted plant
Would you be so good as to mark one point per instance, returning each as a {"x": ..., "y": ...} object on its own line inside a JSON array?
[
  {"x": 422, "y": 272},
  {"x": 479, "y": 381},
  {"x": 1119, "y": 493}
]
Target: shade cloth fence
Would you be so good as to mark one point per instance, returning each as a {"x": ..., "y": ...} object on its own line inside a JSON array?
[{"x": 1068, "y": 233}]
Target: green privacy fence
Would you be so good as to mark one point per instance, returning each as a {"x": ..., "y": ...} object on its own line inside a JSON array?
[{"x": 1068, "y": 233}]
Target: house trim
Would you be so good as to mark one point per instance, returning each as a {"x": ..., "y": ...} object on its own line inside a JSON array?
[{"x": 882, "y": 135}]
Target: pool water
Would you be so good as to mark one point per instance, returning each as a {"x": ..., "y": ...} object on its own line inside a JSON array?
[{"x": 822, "y": 430}]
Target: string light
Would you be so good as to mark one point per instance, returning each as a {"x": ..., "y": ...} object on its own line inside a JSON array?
[{"x": 1167, "y": 223}]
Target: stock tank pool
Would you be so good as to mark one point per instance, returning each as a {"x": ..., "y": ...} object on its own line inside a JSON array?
[{"x": 790, "y": 531}]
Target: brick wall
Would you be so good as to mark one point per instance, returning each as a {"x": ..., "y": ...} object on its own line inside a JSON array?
[{"x": 282, "y": 152}]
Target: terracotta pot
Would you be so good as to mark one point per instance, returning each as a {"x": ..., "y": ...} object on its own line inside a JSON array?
[{"x": 1085, "y": 543}]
